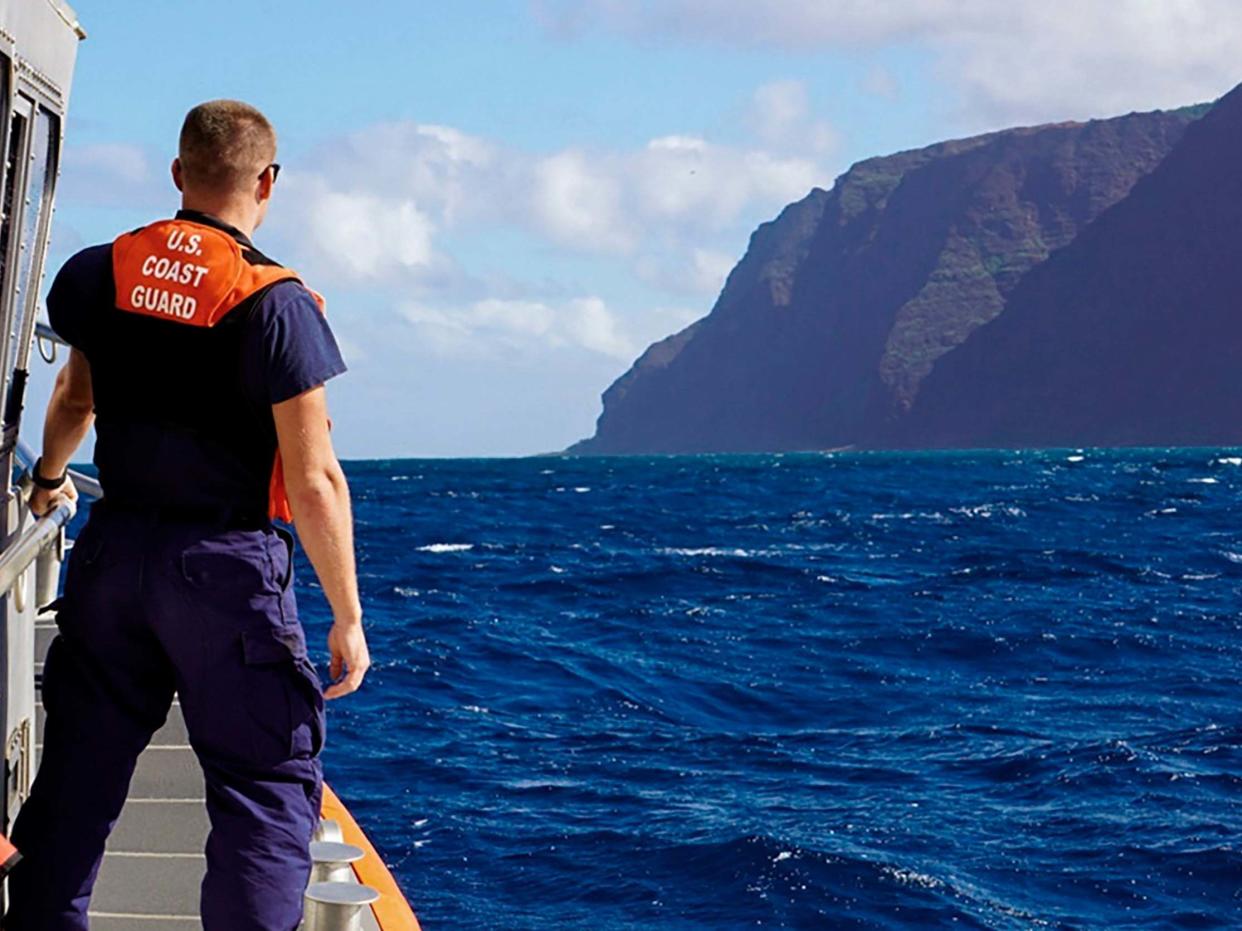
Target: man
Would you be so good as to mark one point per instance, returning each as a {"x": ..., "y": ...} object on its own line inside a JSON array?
[{"x": 201, "y": 364}]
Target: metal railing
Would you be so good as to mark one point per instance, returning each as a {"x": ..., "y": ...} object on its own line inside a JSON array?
[
  {"x": 43, "y": 331},
  {"x": 18, "y": 556},
  {"x": 35, "y": 540}
]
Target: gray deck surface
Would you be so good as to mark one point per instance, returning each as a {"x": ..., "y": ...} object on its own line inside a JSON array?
[{"x": 154, "y": 863}]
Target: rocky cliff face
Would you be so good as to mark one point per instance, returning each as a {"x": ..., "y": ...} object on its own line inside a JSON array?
[
  {"x": 1131, "y": 335},
  {"x": 829, "y": 327}
]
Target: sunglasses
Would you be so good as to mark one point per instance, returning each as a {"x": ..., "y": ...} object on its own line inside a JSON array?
[{"x": 275, "y": 167}]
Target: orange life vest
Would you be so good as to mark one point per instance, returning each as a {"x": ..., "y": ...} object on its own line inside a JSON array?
[{"x": 194, "y": 274}]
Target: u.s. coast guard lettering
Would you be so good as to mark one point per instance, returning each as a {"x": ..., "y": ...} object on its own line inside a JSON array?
[
  {"x": 178, "y": 271},
  {"x": 186, "y": 272},
  {"x": 181, "y": 241}
]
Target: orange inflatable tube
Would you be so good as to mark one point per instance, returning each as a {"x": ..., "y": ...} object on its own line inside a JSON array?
[{"x": 392, "y": 911}]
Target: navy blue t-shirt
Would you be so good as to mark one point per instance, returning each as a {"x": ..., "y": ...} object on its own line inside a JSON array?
[{"x": 175, "y": 427}]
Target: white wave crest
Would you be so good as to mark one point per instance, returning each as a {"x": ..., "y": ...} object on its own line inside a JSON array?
[
  {"x": 912, "y": 878},
  {"x": 989, "y": 510},
  {"x": 703, "y": 551}
]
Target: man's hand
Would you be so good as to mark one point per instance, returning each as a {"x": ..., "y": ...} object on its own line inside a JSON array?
[
  {"x": 348, "y": 646},
  {"x": 44, "y": 501}
]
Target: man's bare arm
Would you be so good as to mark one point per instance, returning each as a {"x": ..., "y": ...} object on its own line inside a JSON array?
[
  {"x": 70, "y": 413},
  {"x": 319, "y": 499}
]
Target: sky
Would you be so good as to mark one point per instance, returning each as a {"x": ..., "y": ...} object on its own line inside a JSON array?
[{"x": 505, "y": 202}]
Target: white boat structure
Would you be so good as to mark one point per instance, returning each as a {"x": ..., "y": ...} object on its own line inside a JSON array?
[{"x": 154, "y": 863}]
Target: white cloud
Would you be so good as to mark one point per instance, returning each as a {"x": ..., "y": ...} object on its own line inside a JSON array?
[
  {"x": 1017, "y": 61},
  {"x": 700, "y": 187},
  {"x": 1063, "y": 59},
  {"x": 674, "y": 187},
  {"x": 111, "y": 174},
  {"x": 591, "y": 325},
  {"x": 127, "y": 163},
  {"x": 376, "y": 205},
  {"x": 782, "y": 117},
  {"x": 493, "y": 325},
  {"x": 792, "y": 24},
  {"x": 364, "y": 236},
  {"x": 702, "y": 272},
  {"x": 577, "y": 202},
  {"x": 437, "y": 167}
]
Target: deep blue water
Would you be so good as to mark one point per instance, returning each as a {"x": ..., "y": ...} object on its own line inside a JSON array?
[{"x": 990, "y": 690}]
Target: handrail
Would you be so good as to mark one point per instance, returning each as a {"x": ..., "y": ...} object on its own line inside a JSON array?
[
  {"x": 17, "y": 557},
  {"x": 43, "y": 331},
  {"x": 84, "y": 483}
]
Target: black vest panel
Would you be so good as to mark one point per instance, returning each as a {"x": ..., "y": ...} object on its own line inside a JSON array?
[{"x": 176, "y": 429}]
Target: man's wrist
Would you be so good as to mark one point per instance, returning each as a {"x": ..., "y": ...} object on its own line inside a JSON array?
[
  {"x": 351, "y": 619},
  {"x": 43, "y": 481}
]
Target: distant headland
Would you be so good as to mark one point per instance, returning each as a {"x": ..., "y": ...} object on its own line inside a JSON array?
[{"x": 1068, "y": 284}]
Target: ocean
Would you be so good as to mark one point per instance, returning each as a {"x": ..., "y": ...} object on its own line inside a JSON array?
[{"x": 853, "y": 690}]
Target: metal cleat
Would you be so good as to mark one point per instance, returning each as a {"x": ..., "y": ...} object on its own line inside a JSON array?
[
  {"x": 336, "y": 906},
  {"x": 328, "y": 830},
  {"x": 332, "y": 861}
]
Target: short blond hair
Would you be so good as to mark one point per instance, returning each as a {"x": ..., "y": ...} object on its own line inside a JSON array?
[{"x": 225, "y": 145}]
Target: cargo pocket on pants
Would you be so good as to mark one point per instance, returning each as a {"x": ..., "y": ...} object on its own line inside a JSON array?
[
  {"x": 267, "y": 686},
  {"x": 282, "y": 697},
  {"x": 308, "y": 719}
]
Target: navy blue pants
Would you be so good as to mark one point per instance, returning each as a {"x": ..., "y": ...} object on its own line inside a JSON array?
[{"x": 152, "y": 608}]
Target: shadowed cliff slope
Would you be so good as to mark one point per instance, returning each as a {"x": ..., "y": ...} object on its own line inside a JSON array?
[
  {"x": 1132, "y": 335},
  {"x": 827, "y": 329}
]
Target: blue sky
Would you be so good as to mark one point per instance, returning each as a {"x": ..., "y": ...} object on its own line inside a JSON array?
[{"x": 505, "y": 202}]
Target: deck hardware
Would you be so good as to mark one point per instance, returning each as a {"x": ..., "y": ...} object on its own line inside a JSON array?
[
  {"x": 19, "y": 593},
  {"x": 332, "y": 861},
  {"x": 47, "y": 349},
  {"x": 328, "y": 830},
  {"x": 19, "y": 754},
  {"x": 336, "y": 906},
  {"x": 47, "y": 571}
]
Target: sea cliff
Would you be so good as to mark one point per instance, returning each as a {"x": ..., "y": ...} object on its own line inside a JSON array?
[{"x": 942, "y": 296}]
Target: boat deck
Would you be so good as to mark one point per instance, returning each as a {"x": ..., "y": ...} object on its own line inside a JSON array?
[{"x": 154, "y": 862}]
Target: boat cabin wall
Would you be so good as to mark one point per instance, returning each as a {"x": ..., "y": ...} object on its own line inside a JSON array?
[{"x": 38, "y": 47}]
